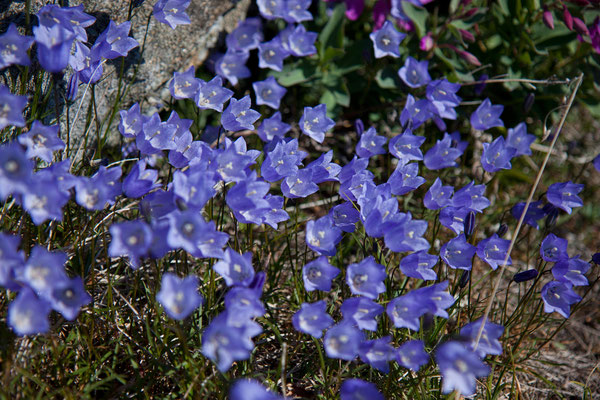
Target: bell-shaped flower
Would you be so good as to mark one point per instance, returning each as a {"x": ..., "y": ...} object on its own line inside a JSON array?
[
  {"x": 386, "y": 40},
  {"x": 366, "y": 278},
  {"x": 271, "y": 54},
  {"x": 488, "y": 343},
  {"x": 14, "y": 47},
  {"x": 312, "y": 318},
  {"x": 438, "y": 196},
  {"x": 172, "y": 12},
  {"x": 487, "y": 116},
  {"x": 412, "y": 355},
  {"x": 357, "y": 389},
  {"x": 322, "y": 236},
  {"x": 179, "y": 297},
  {"x": 269, "y": 92},
  {"x": 377, "y": 353},
  {"x": 518, "y": 139},
  {"x": 249, "y": 389},
  {"x": 184, "y": 85},
  {"x": 458, "y": 253},
  {"x": 343, "y": 341},
  {"x": 318, "y": 274},
  {"x": 362, "y": 312},
  {"x": 419, "y": 265},
  {"x": 414, "y": 73},
  {"x": 370, "y": 144},
  {"x": 554, "y": 248},
  {"x": 315, "y": 122},
  {"x": 406, "y": 147},
  {"x": 239, "y": 116},
  {"x": 559, "y": 296},
  {"x": 442, "y": 154},
  {"x": 493, "y": 251},
  {"x": 496, "y": 155},
  {"x": 272, "y": 128},
  {"x": 28, "y": 314},
  {"x": 571, "y": 271},
  {"x": 212, "y": 95},
  {"x": 235, "y": 268},
  {"x": 564, "y": 195},
  {"x": 132, "y": 239},
  {"x": 11, "y": 112},
  {"x": 460, "y": 368},
  {"x": 246, "y": 36}
]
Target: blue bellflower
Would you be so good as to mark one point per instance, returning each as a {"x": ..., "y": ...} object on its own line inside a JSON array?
[
  {"x": 386, "y": 41},
  {"x": 301, "y": 42},
  {"x": 357, "y": 389},
  {"x": 172, "y": 12},
  {"x": 458, "y": 253},
  {"x": 343, "y": 341},
  {"x": 269, "y": 92},
  {"x": 564, "y": 195},
  {"x": 249, "y": 389},
  {"x": 459, "y": 367},
  {"x": 271, "y": 54},
  {"x": 419, "y": 265},
  {"x": 212, "y": 94},
  {"x": 362, "y": 312},
  {"x": 370, "y": 144},
  {"x": 554, "y": 248},
  {"x": 315, "y": 123},
  {"x": 442, "y": 154},
  {"x": 312, "y": 318},
  {"x": 246, "y": 36},
  {"x": 232, "y": 65},
  {"x": 518, "y": 139},
  {"x": 571, "y": 271},
  {"x": 414, "y": 73},
  {"x": 184, "y": 85},
  {"x": 497, "y": 155},
  {"x": 11, "y": 111},
  {"x": 322, "y": 236},
  {"x": 412, "y": 355},
  {"x": 318, "y": 274},
  {"x": 13, "y": 48},
  {"x": 68, "y": 296},
  {"x": 487, "y": 116},
  {"x": 235, "y": 268},
  {"x": 559, "y": 296},
  {"x": 239, "y": 116},
  {"x": 366, "y": 278},
  {"x": 377, "y": 353},
  {"x": 488, "y": 343},
  {"x": 28, "y": 314},
  {"x": 493, "y": 251},
  {"x": 179, "y": 297},
  {"x": 272, "y": 128},
  {"x": 132, "y": 239}
]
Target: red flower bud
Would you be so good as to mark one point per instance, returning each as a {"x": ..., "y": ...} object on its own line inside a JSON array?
[
  {"x": 469, "y": 57},
  {"x": 548, "y": 19},
  {"x": 471, "y": 12},
  {"x": 426, "y": 42},
  {"x": 568, "y": 18},
  {"x": 580, "y": 27},
  {"x": 466, "y": 35}
]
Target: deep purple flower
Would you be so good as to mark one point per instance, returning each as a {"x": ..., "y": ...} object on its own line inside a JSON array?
[
  {"x": 300, "y": 184},
  {"x": 414, "y": 73},
  {"x": 131, "y": 239},
  {"x": 184, "y": 85},
  {"x": 518, "y": 139},
  {"x": 301, "y": 42},
  {"x": 235, "y": 268},
  {"x": 487, "y": 116},
  {"x": 115, "y": 42},
  {"x": 315, "y": 122},
  {"x": 459, "y": 367},
  {"x": 212, "y": 94},
  {"x": 525, "y": 276},
  {"x": 407, "y": 235},
  {"x": 140, "y": 180},
  {"x": 13, "y": 47},
  {"x": 458, "y": 253},
  {"x": 564, "y": 195},
  {"x": 27, "y": 314},
  {"x": 377, "y": 353},
  {"x": 269, "y": 92},
  {"x": 412, "y": 355},
  {"x": 535, "y": 212},
  {"x": 11, "y": 111},
  {"x": 318, "y": 274},
  {"x": 172, "y": 12},
  {"x": 493, "y": 251},
  {"x": 345, "y": 216},
  {"x": 179, "y": 297},
  {"x": 554, "y": 248},
  {"x": 273, "y": 127},
  {"x": 370, "y": 144},
  {"x": 356, "y": 389},
  {"x": 53, "y": 46},
  {"x": 419, "y": 265},
  {"x": 406, "y": 147},
  {"x": 416, "y": 112},
  {"x": 246, "y": 36},
  {"x": 438, "y": 196},
  {"x": 442, "y": 154},
  {"x": 323, "y": 170},
  {"x": 366, "y": 278},
  {"x": 488, "y": 343},
  {"x": 472, "y": 197},
  {"x": 239, "y": 116},
  {"x": 343, "y": 341},
  {"x": 497, "y": 155},
  {"x": 454, "y": 218},
  {"x": 322, "y": 236},
  {"x": 271, "y": 54},
  {"x": 386, "y": 41},
  {"x": 571, "y": 271},
  {"x": 68, "y": 296},
  {"x": 405, "y": 178},
  {"x": 43, "y": 271},
  {"x": 362, "y": 312},
  {"x": 312, "y": 318},
  {"x": 248, "y": 389},
  {"x": 558, "y": 296}
]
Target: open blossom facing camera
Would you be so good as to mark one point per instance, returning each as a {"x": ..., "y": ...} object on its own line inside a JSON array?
[
  {"x": 172, "y": 12},
  {"x": 179, "y": 297},
  {"x": 386, "y": 41},
  {"x": 315, "y": 122},
  {"x": 460, "y": 367}
]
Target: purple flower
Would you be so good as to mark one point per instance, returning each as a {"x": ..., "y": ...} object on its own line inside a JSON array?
[
  {"x": 239, "y": 116},
  {"x": 438, "y": 196},
  {"x": 362, "y": 312},
  {"x": 370, "y": 144},
  {"x": 13, "y": 48},
  {"x": 297, "y": 11},
  {"x": 472, "y": 197},
  {"x": 188, "y": 230},
  {"x": 525, "y": 276},
  {"x": 43, "y": 271},
  {"x": 322, "y": 236},
  {"x": 184, "y": 85},
  {"x": 554, "y": 248},
  {"x": 323, "y": 170},
  {"x": 564, "y": 195},
  {"x": 312, "y": 318},
  {"x": 405, "y": 178},
  {"x": 558, "y": 296},
  {"x": 406, "y": 147},
  {"x": 345, "y": 216},
  {"x": 454, "y": 218},
  {"x": 377, "y": 353},
  {"x": 300, "y": 184},
  {"x": 93, "y": 193},
  {"x": 269, "y": 92},
  {"x": 248, "y": 389},
  {"x": 271, "y": 54},
  {"x": 235, "y": 268},
  {"x": 571, "y": 271},
  {"x": 414, "y": 73},
  {"x": 518, "y": 139},
  {"x": 172, "y": 12},
  {"x": 245, "y": 300},
  {"x": 459, "y": 367},
  {"x": 282, "y": 161},
  {"x": 131, "y": 239},
  {"x": 271, "y": 9},
  {"x": 179, "y": 297},
  {"x": 115, "y": 42},
  {"x": 71, "y": 18},
  {"x": 493, "y": 251},
  {"x": 596, "y": 163},
  {"x": 386, "y": 41},
  {"x": 132, "y": 121},
  {"x": 487, "y": 116},
  {"x": 68, "y": 296},
  {"x": 53, "y": 46},
  {"x": 366, "y": 278},
  {"x": 443, "y": 94},
  {"x": 412, "y": 355},
  {"x": 343, "y": 341},
  {"x": 212, "y": 94},
  {"x": 488, "y": 344},
  {"x": 416, "y": 112},
  {"x": 356, "y": 389},
  {"x": 87, "y": 65},
  {"x": 140, "y": 180},
  {"x": 11, "y": 111},
  {"x": 11, "y": 260},
  {"x": 232, "y": 65},
  {"x": 318, "y": 274},
  {"x": 27, "y": 314},
  {"x": 272, "y": 127},
  {"x": 302, "y": 43},
  {"x": 442, "y": 154},
  {"x": 497, "y": 155},
  {"x": 535, "y": 212},
  {"x": 43, "y": 201},
  {"x": 407, "y": 235},
  {"x": 15, "y": 170},
  {"x": 419, "y": 265},
  {"x": 458, "y": 253},
  {"x": 405, "y": 311},
  {"x": 246, "y": 36},
  {"x": 315, "y": 123}
]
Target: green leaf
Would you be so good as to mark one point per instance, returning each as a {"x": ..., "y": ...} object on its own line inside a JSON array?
[
  {"x": 332, "y": 34},
  {"x": 330, "y": 54},
  {"x": 418, "y": 15},
  {"x": 328, "y": 98},
  {"x": 387, "y": 78},
  {"x": 293, "y": 74}
]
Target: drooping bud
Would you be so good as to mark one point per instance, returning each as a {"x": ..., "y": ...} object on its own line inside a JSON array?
[
  {"x": 551, "y": 218},
  {"x": 502, "y": 229},
  {"x": 548, "y": 18},
  {"x": 596, "y": 258},
  {"x": 528, "y": 102},
  {"x": 568, "y": 18},
  {"x": 525, "y": 275},
  {"x": 359, "y": 126},
  {"x": 580, "y": 27},
  {"x": 470, "y": 58},
  {"x": 426, "y": 42},
  {"x": 469, "y": 224},
  {"x": 464, "y": 279},
  {"x": 471, "y": 12},
  {"x": 466, "y": 35}
]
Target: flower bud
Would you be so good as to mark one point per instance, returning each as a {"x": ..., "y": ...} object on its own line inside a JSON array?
[
  {"x": 180, "y": 203},
  {"x": 580, "y": 27},
  {"x": 502, "y": 229},
  {"x": 359, "y": 126},
  {"x": 464, "y": 279},
  {"x": 469, "y": 224},
  {"x": 568, "y": 18},
  {"x": 528, "y": 102},
  {"x": 525, "y": 275},
  {"x": 551, "y": 218},
  {"x": 480, "y": 86},
  {"x": 466, "y": 35},
  {"x": 596, "y": 258},
  {"x": 548, "y": 19},
  {"x": 470, "y": 58},
  {"x": 426, "y": 42},
  {"x": 471, "y": 12}
]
